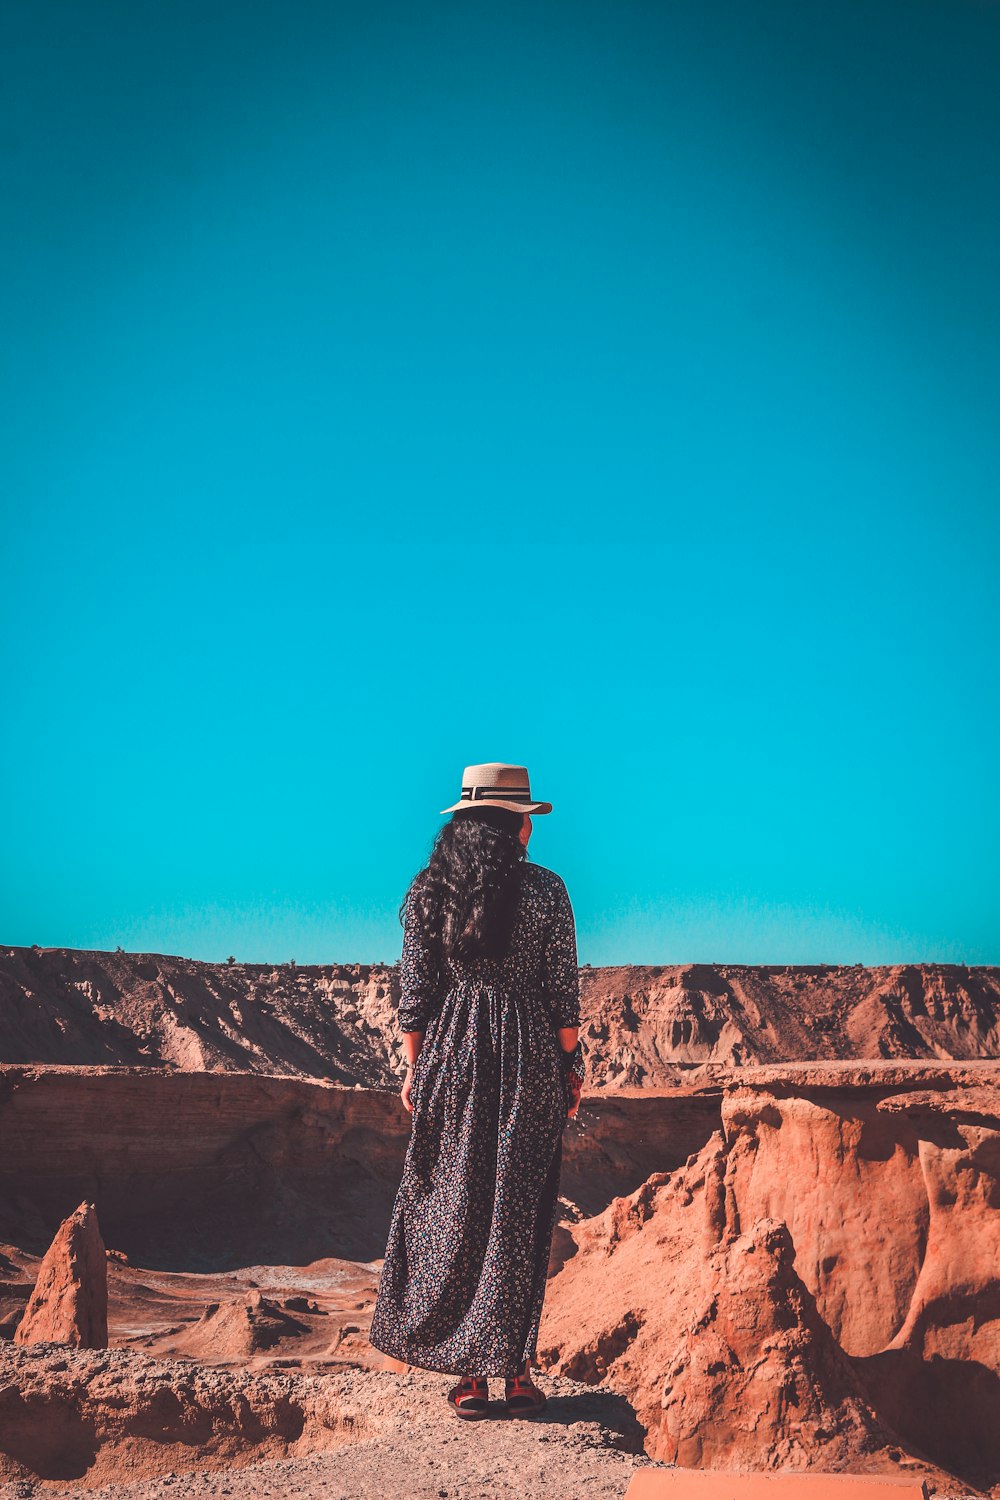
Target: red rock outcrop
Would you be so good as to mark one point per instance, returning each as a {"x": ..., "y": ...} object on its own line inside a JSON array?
[
  {"x": 757, "y": 1371},
  {"x": 940, "y": 1372},
  {"x": 250, "y": 1168},
  {"x": 69, "y": 1304},
  {"x": 886, "y": 1180}
]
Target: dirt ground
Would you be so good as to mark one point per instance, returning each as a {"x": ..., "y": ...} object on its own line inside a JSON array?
[{"x": 586, "y": 1442}]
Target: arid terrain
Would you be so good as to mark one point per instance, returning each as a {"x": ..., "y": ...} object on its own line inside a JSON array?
[{"x": 777, "y": 1246}]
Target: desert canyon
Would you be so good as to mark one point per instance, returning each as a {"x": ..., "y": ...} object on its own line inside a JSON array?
[{"x": 777, "y": 1246}]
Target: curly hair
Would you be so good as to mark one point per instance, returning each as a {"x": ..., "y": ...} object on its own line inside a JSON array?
[{"x": 465, "y": 896}]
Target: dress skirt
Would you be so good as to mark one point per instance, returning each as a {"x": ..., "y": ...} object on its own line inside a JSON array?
[{"x": 466, "y": 1261}]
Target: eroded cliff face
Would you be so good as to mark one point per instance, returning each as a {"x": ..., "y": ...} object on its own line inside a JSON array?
[
  {"x": 65, "y": 1006},
  {"x": 197, "y": 1171},
  {"x": 640, "y": 1024},
  {"x": 642, "y": 1027},
  {"x": 201, "y": 1171},
  {"x": 819, "y": 1283}
]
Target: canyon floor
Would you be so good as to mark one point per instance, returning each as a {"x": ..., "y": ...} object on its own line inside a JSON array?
[{"x": 776, "y": 1248}]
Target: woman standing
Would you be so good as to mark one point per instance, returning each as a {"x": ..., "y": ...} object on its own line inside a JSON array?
[{"x": 490, "y": 1013}]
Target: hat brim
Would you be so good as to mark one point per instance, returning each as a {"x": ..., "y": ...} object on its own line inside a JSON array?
[{"x": 528, "y": 807}]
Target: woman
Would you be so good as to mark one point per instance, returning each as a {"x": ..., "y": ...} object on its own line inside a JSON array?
[{"x": 490, "y": 1012}]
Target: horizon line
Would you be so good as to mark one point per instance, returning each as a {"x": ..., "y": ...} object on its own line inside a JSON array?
[{"x": 291, "y": 963}]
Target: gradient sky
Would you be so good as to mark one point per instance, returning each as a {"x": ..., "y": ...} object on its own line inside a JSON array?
[{"x": 608, "y": 388}]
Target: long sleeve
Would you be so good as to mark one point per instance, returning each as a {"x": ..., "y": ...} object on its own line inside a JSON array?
[
  {"x": 560, "y": 971},
  {"x": 419, "y": 977}
]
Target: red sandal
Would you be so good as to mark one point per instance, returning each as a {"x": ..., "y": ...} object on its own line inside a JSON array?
[
  {"x": 470, "y": 1397},
  {"x": 523, "y": 1398}
]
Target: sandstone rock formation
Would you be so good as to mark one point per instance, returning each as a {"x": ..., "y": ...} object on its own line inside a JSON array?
[
  {"x": 252, "y": 1168},
  {"x": 69, "y": 1304},
  {"x": 823, "y": 1273},
  {"x": 70, "y": 1007},
  {"x": 756, "y": 1344},
  {"x": 640, "y": 1023},
  {"x": 337, "y": 1021},
  {"x": 940, "y": 1371}
]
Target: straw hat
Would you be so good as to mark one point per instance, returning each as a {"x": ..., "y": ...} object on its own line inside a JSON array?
[{"x": 496, "y": 784}]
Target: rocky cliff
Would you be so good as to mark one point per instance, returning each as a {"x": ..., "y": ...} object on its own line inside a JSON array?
[
  {"x": 641, "y": 1026},
  {"x": 199, "y": 1171},
  {"x": 818, "y": 1283}
]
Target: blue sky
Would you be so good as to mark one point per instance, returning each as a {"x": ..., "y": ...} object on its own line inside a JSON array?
[{"x": 611, "y": 389}]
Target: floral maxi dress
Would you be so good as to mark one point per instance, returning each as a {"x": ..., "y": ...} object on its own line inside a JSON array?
[{"x": 465, "y": 1267}]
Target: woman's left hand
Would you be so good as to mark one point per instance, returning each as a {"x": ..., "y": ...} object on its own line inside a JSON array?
[{"x": 575, "y": 1093}]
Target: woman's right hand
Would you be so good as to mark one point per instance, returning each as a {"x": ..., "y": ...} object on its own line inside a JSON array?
[
  {"x": 575, "y": 1094},
  {"x": 405, "y": 1091}
]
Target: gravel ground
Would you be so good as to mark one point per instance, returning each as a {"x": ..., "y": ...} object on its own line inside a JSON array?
[{"x": 587, "y": 1441}]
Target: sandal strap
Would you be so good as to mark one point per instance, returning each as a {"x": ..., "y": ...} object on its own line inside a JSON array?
[
  {"x": 523, "y": 1385},
  {"x": 470, "y": 1388}
]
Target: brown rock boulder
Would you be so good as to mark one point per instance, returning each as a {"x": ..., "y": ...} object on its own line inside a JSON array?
[{"x": 70, "y": 1302}]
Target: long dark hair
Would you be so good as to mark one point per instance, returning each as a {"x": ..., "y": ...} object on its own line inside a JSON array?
[{"x": 465, "y": 896}]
